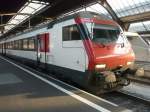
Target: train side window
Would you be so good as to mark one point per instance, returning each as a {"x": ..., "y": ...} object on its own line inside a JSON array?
[
  {"x": 1, "y": 46},
  {"x": 12, "y": 44},
  {"x": 16, "y": 44},
  {"x": 71, "y": 33},
  {"x": 20, "y": 46},
  {"x": 6, "y": 45},
  {"x": 25, "y": 44},
  {"x": 31, "y": 43}
]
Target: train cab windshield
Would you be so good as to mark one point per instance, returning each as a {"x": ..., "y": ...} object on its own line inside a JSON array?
[{"x": 104, "y": 34}]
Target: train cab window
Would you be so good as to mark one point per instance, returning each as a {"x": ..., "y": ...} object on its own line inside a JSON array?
[
  {"x": 31, "y": 43},
  {"x": 71, "y": 33},
  {"x": 25, "y": 43}
]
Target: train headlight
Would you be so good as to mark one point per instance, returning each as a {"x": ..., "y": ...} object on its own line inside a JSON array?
[
  {"x": 130, "y": 63},
  {"x": 100, "y": 66}
]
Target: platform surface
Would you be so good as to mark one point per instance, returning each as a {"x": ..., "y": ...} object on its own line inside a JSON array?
[{"x": 22, "y": 92}]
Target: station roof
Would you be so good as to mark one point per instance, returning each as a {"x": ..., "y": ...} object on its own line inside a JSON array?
[{"x": 133, "y": 13}]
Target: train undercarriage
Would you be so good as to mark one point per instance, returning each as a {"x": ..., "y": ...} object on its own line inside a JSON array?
[{"x": 107, "y": 81}]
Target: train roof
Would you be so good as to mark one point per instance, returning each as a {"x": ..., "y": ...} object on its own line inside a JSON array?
[{"x": 82, "y": 14}]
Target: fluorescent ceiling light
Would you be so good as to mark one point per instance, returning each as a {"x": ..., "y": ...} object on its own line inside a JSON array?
[
  {"x": 9, "y": 27},
  {"x": 19, "y": 17},
  {"x": 14, "y": 21},
  {"x": 35, "y": 6},
  {"x": 30, "y": 8}
]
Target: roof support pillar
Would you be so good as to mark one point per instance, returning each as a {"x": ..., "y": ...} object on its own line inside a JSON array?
[
  {"x": 114, "y": 16},
  {"x": 126, "y": 26}
]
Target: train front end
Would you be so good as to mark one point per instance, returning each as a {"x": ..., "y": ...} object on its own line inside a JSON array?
[{"x": 110, "y": 56}]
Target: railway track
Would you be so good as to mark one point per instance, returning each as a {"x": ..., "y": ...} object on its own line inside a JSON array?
[
  {"x": 143, "y": 80},
  {"x": 136, "y": 104},
  {"x": 146, "y": 78},
  {"x": 134, "y": 96},
  {"x": 121, "y": 98}
]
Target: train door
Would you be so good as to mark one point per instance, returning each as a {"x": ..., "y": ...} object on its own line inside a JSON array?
[{"x": 42, "y": 49}]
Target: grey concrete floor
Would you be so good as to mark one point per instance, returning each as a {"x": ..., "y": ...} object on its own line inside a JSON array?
[{"x": 22, "y": 92}]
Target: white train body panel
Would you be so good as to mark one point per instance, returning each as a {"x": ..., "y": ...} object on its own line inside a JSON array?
[
  {"x": 68, "y": 54},
  {"x": 22, "y": 53}
]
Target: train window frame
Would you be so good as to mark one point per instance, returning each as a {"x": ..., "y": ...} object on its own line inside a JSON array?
[{"x": 67, "y": 34}]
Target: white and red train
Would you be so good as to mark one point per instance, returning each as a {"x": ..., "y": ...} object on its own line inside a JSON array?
[{"x": 88, "y": 48}]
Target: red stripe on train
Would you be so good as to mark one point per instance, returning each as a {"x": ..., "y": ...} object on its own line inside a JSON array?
[
  {"x": 90, "y": 53},
  {"x": 94, "y": 20}
]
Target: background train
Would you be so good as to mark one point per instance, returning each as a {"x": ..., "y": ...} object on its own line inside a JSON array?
[
  {"x": 88, "y": 48},
  {"x": 141, "y": 49}
]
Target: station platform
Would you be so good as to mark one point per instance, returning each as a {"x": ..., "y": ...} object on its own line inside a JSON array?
[{"x": 24, "y": 90}]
